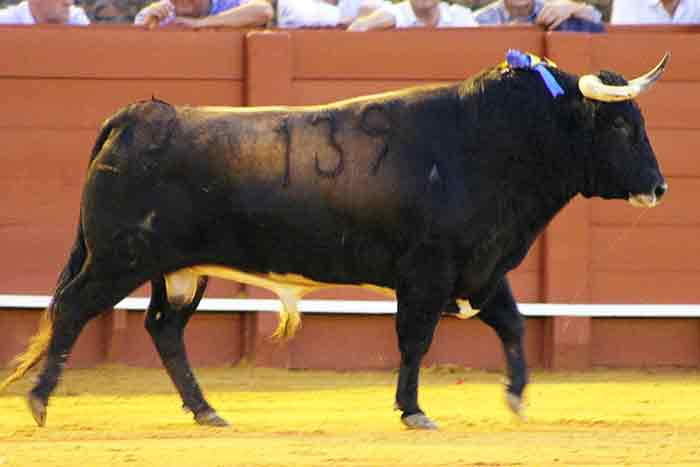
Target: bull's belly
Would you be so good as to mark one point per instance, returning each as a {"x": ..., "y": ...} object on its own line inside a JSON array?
[{"x": 181, "y": 286}]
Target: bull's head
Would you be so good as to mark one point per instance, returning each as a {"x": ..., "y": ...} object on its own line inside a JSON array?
[{"x": 624, "y": 164}]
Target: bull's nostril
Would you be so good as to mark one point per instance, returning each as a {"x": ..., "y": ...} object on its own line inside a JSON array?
[{"x": 660, "y": 190}]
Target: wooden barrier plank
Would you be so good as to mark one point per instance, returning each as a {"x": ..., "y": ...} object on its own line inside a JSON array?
[
  {"x": 34, "y": 257},
  {"x": 649, "y": 248},
  {"x": 566, "y": 259},
  {"x": 533, "y": 260},
  {"x": 31, "y": 154},
  {"x": 566, "y": 253},
  {"x": 450, "y": 54},
  {"x": 268, "y": 68},
  {"x": 673, "y": 287},
  {"x": 311, "y": 92},
  {"x": 125, "y": 52},
  {"x": 211, "y": 339},
  {"x": 654, "y": 28},
  {"x": 679, "y": 207},
  {"x": 634, "y": 52},
  {"x": 677, "y": 151},
  {"x": 526, "y": 285},
  {"x": 41, "y": 203},
  {"x": 571, "y": 52},
  {"x": 86, "y": 103},
  {"x": 672, "y": 105},
  {"x": 637, "y": 342},
  {"x": 373, "y": 341}
]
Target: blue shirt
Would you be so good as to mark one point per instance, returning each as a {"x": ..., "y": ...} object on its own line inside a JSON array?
[
  {"x": 215, "y": 7},
  {"x": 219, "y": 6}
]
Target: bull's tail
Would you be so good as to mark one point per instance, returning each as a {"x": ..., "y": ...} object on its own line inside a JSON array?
[
  {"x": 39, "y": 343},
  {"x": 36, "y": 350}
]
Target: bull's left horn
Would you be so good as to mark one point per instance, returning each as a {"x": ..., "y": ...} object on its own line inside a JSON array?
[{"x": 592, "y": 87}]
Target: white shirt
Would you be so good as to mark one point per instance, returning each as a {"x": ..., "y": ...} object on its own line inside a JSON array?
[
  {"x": 306, "y": 14},
  {"x": 451, "y": 16},
  {"x": 21, "y": 14},
  {"x": 653, "y": 12},
  {"x": 317, "y": 13}
]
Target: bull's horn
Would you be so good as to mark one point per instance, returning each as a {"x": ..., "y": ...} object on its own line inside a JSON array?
[{"x": 592, "y": 87}]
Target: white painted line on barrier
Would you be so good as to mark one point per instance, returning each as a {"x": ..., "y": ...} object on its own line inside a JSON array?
[{"x": 384, "y": 307}]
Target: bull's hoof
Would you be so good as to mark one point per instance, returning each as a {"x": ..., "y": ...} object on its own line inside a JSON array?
[
  {"x": 210, "y": 418},
  {"x": 515, "y": 404},
  {"x": 38, "y": 409},
  {"x": 419, "y": 421}
]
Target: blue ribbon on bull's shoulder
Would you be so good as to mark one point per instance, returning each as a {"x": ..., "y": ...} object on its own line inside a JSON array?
[{"x": 520, "y": 60}]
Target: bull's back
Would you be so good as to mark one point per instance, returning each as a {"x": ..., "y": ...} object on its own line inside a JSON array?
[{"x": 343, "y": 158}]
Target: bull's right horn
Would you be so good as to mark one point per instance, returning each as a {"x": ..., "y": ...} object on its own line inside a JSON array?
[{"x": 592, "y": 87}]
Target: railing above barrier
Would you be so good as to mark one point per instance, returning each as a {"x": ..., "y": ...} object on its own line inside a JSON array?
[{"x": 386, "y": 307}]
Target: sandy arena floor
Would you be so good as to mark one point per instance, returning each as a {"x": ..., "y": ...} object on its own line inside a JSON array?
[{"x": 120, "y": 416}]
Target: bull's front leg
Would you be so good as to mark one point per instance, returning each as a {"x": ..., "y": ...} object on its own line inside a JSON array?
[
  {"x": 422, "y": 293},
  {"x": 501, "y": 313}
]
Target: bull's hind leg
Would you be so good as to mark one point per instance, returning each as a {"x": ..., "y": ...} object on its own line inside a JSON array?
[
  {"x": 501, "y": 313},
  {"x": 423, "y": 292},
  {"x": 165, "y": 321},
  {"x": 84, "y": 298}
]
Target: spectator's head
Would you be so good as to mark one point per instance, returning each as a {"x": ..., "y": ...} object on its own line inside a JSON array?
[
  {"x": 193, "y": 8},
  {"x": 519, "y": 10},
  {"x": 424, "y": 6},
  {"x": 50, "y": 11}
]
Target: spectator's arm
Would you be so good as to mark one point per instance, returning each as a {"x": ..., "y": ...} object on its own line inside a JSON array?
[
  {"x": 588, "y": 12},
  {"x": 380, "y": 19},
  {"x": 158, "y": 13},
  {"x": 252, "y": 13},
  {"x": 555, "y": 12}
]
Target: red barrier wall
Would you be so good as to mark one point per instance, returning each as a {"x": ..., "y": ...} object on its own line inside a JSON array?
[{"x": 60, "y": 83}]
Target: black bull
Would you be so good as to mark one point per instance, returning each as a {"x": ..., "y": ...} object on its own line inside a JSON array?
[{"x": 433, "y": 192}]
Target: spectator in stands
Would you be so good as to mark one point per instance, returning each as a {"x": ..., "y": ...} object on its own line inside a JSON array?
[
  {"x": 323, "y": 13},
  {"x": 415, "y": 14},
  {"x": 655, "y": 12},
  {"x": 206, "y": 13},
  {"x": 555, "y": 15},
  {"x": 44, "y": 12}
]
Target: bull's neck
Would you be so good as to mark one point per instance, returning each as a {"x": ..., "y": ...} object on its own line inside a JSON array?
[{"x": 528, "y": 207}]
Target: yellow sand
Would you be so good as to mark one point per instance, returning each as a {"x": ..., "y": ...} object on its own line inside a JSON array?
[{"x": 120, "y": 416}]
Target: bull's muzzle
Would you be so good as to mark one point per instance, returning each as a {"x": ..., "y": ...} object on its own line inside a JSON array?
[{"x": 649, "y": 200}]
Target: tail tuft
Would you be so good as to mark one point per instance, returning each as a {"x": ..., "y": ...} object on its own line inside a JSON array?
[{"x": 38, "y": 345}]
